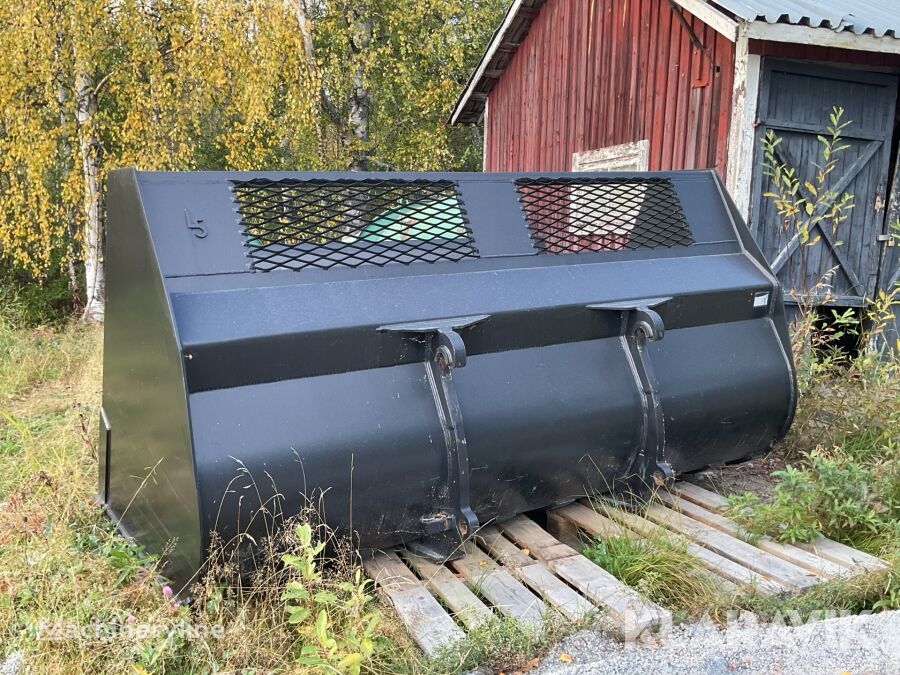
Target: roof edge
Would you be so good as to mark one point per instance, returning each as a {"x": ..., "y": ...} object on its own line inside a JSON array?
[{"x": 518, "y": 19}]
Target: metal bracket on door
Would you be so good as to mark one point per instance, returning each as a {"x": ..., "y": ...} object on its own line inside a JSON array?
[
  {"x": 639, "y": 324},
  {"x": 447, "y": 527}
]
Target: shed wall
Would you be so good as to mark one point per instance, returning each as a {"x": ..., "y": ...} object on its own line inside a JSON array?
[{"x": 595, "y": 73}]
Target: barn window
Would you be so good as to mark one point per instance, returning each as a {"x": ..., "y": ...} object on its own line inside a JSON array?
[{"x": 626, "y": 157}]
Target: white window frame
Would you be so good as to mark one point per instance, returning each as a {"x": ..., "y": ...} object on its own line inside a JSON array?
[{"x": 626, "y": 157}]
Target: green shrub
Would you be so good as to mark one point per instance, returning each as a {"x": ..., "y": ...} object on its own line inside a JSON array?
[
  {"x": 842, "y": 479},
  {"x": 27, "y": 302},
  {"x": 333, "y": 618},
  {"x": 839, "y": 496}
]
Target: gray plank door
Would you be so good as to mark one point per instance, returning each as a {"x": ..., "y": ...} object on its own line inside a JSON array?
[
  {"x": 796, "y": 99},
  {"x": 889, "y": 272}
]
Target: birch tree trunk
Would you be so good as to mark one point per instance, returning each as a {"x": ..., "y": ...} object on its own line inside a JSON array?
[
  {"x": 89, "y": 146},
  {"x": 360, "y": 97},
  {"x": 312, "y": 65},
  {"x": 62, "y": 96}
]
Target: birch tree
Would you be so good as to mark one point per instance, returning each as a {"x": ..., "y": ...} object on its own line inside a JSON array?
[{"x": 91, "y": 85}]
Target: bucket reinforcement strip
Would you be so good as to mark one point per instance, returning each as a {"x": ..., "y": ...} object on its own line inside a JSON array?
[
  {"x": 447, "y": 527},
  {"x": 640, "y": 324}
]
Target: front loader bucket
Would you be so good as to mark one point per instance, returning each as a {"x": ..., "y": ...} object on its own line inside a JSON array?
[{"x": 420, "y": 354}]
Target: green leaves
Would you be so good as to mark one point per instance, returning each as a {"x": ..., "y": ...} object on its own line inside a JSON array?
[
  {"x": 805, "y": 204},
  {"x": 836, "y": 495},
  {"x": 297, "y": 614},
  {"x": 331, "y": 617}
]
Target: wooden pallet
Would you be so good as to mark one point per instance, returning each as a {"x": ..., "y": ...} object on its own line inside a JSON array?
[
  {"x": 515, "y": 569},
  {"x": 520, "y": 570}
]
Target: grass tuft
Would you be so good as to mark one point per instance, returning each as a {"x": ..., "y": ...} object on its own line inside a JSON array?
[
  {"x": 660, "y": 568},
  {"x": 499, "y": 645}
]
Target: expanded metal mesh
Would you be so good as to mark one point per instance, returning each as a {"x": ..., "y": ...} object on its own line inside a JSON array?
[
  {"x": 575, "y": 215},
  {"x": 296, "y": 224}
]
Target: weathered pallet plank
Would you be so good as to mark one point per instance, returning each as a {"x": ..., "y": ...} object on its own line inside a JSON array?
[
  {"x": 741, "y": 552},
  {"x": 523, "y": 571},
  {"x": 724, "y": 573},
  {"x": 537, "y": 576},
  {"x": 503, "y": 550},
  {"x": 465, "y": 605},
  {"x": 793, "y": 554},
  {"x": 832, "y": 551},
  {"x": 564, "y": 530},
  {"x": 590, "y": 521},
  {"x": 631, "y": 613},
  {"x": 842, "y": 554},
  {"x": 500, "y": 588},
  {"x": 427, "y": 622},
  {"x": 700, "y": 496}
]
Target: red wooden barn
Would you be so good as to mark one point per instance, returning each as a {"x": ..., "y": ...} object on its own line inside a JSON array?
[{"x": 693, "y": 84}]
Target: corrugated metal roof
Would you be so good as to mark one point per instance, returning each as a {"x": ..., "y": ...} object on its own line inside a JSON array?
[{"x": 873, "y": 17}]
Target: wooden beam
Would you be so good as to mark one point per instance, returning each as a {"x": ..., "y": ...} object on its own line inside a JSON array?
[
  {"x": 701, "y": 496},
  {"x": 589, "y": 520},
  {"x": 464, "y": 604},
  {"x": 712, "y": 17},
  {"x": 825, "y": 548},
  {"x": 742, "y": 127},
  {"x": 537, "y": 576},
  {"x": 495, "y": 583},
  {"x": 759, "y": 561},
  {"x": 843, "y": 555},
  {"x": 816, "y": 564},
  {"x": 427, "y": 622},
  {"x": 721, "y": 569},
  {"x": 630, "y": 613},
  {"x": 821, "y": 37}
]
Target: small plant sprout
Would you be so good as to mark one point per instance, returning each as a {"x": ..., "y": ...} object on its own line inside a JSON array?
[
  {"x": 807, "y": 204},
  {"x": 335, "y": 627}
]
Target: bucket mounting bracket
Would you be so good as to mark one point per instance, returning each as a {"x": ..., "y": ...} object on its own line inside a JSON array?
[
  {"x": 445, "y": 350},
  {"x": 640, "y": 323}
]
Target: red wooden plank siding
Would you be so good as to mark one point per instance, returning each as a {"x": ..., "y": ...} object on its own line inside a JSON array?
[{"x": 595, "y": 73}]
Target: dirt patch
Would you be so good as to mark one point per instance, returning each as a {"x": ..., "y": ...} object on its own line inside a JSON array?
[{"x": 754, "y": 475}]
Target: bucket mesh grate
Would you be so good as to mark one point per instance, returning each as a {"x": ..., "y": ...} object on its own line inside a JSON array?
[
  {"x": 297, "y": 224},
  {"x": 575, "y": 215}
]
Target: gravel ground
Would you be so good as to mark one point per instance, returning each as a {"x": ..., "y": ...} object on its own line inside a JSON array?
[
  {"x": 854, "y": 645},
  {"x": 11, "y": 664}
]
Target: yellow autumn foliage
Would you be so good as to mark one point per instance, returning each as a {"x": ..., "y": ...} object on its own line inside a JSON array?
[{"x": 215, "y": 84}]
